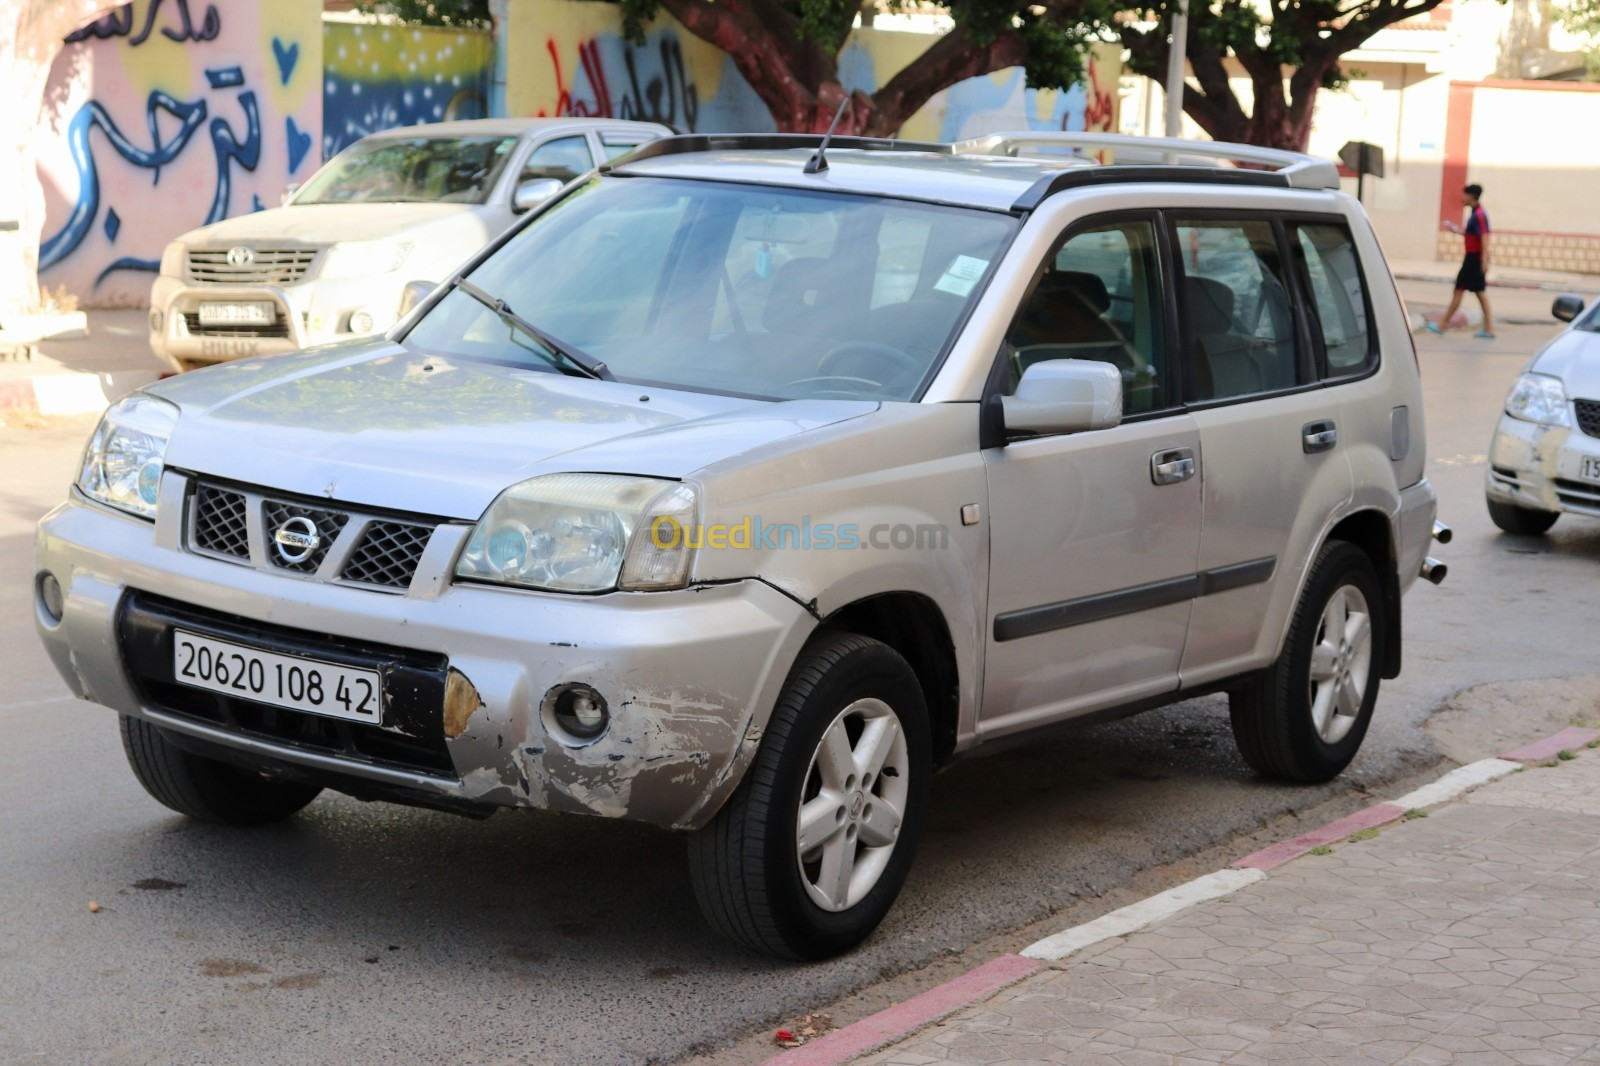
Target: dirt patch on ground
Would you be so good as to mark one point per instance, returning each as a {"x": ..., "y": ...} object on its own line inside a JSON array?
[{"x": 1492, "y": 719}]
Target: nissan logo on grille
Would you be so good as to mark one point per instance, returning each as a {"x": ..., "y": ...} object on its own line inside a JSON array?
[
  {"x": 296, "y": 539},
  {"x": 240, "y": 256}
]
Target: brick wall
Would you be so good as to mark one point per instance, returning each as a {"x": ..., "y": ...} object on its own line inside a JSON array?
[{"x": 1574, "y": 253}]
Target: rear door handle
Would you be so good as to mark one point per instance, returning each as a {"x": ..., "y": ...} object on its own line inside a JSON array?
[
  {"x": 1172, "y": 466},
  {"x": 1319, "y": 436}
]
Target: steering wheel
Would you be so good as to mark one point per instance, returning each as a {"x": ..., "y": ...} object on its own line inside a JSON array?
[{"x": 851, "y": 351}]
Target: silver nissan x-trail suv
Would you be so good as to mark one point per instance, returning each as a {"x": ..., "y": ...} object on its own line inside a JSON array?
[{"x": 743, "y": 485}]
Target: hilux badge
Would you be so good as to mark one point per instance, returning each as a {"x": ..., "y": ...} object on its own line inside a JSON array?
[{"x": 296, "y": 539}]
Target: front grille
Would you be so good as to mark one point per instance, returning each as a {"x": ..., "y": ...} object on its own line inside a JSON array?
[
  {"x": 328, "y": 523},
  {"x": 410, "y": 738},
  {"x": 1588, "y": 416},
  {"x": 278, "y": 328},
  {"x": 219, "y": 522},
  {"x": 1579, "y": 494},
  {"x": 268, "y": 266},
  {"x": 388, "y": 554}
]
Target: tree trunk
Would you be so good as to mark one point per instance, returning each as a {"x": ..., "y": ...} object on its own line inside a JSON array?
[{"x": 31, "y": 33}]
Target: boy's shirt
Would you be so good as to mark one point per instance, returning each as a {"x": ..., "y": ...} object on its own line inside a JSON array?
[{"x": 1477, "y": 225}]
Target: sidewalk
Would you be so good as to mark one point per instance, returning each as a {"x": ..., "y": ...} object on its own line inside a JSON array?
[
  {"x": 82, "y": 375},
  {"x": 1469, "y": 933},
  {"x": 1551, "y": 281}
]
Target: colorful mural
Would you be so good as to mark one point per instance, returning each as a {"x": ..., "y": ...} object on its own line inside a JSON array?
[
  {"x": 166, "y": 115},
  {"x": 379, "y": 77}
]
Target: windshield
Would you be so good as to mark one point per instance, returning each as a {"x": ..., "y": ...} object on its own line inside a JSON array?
[
  {"x": 742, "y": 289},
  {"x": 1591, "y": 319},
  {"x": 460, "y": 170}
]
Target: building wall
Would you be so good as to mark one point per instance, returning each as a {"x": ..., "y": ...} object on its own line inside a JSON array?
[
  {"x": 575, "y": 62},
  {"x": 163, "y": 116}
]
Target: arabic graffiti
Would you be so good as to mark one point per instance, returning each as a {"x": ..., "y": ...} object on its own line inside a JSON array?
[
  {"x": 163, "y": 116},
  {"x": 669, "y": 97}
]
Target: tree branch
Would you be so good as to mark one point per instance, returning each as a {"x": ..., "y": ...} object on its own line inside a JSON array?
[
  {"x": 952, "y": 58},
  {"x": 760, "y": 39}
]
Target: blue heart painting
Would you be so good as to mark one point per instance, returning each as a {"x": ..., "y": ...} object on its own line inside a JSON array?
[
  {"x": 299, "y": 144},
  {"x": 287, "y": 56}
]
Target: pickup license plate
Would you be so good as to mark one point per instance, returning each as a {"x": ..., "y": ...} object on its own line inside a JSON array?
[
  {"x": 308, "y": 685},
  {"x": 238, "y": 314},
  {"x": 1589, "y": 469}
]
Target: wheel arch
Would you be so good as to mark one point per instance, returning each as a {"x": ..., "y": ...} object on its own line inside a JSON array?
[{"x": 912, "y": 624}]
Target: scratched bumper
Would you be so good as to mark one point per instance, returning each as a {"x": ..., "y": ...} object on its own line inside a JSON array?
[
  {"x": 690, "y": 676},
  {"x": 1542, "y": 467}
]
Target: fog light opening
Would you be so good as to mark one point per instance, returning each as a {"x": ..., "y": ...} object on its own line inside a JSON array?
[
  {"x": 576, "y": 713},
  {"x": 361, "y": 322},
  {"x": 51, "y": 599}
]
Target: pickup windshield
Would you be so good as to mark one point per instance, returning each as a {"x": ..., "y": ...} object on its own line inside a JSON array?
[
  {"x": 458, "y": 170},
  {"x": 750, "y": 290}
]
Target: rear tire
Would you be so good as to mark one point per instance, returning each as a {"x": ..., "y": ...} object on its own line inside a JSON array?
[
  {"x": 810, "y": 852},
  {"x": 204, "y": 788},
  {"x": 1304, "y": 718},
  {"x": 1523, "y": 520}
]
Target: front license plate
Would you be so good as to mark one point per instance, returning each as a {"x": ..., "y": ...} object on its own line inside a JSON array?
[
  {"x": 238, "y": 314},
  {"x": 1589, "y": 470},
  {"x": 308, "y": 685}
]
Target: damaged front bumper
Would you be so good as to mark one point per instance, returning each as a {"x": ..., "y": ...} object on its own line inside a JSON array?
[
  {"x": 1545, "y": 468},
  {"x": 689, "y": 677}
]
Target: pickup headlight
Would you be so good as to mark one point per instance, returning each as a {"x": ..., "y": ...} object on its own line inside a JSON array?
[
  {"x": 585, "y": 533},
  {"x": 357, "y": 259},
  {"x": 172, "y": 260},
  {"x": 122, "y": 465},
  {"x": 1538, "y": 398}
]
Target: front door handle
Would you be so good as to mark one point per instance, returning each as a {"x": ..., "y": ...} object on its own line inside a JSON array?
[
  {"x": 1319, "y": 436},
  {"x": 1172, "y": 466}
]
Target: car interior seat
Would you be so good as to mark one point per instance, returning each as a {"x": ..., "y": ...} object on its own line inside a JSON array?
[{"x": 1225, "y": 364}]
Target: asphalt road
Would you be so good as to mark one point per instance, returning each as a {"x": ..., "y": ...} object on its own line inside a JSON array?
[{"x": 358, "y": 933}]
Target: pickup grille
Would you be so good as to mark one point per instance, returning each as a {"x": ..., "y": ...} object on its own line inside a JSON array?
[{"x": 267, "y": 266}]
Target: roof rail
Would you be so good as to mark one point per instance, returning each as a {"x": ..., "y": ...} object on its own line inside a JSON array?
[
  {"x": 1297, "y": 170},
  {"x": 686, "y": 143}
]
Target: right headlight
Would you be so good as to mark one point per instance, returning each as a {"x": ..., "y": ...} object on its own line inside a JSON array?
[
  {"x": 123, "y": 462},
  {"x": 585, "y": 533},
  {"x": 1538, "y": 398}
]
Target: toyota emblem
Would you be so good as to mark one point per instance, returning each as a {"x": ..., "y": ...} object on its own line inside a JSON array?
[
  {"x": 296, "y": 539},
  {"x": 240, "y": 256}
]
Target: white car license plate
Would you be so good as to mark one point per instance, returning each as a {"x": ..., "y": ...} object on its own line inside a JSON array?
[
  {"x": 308, "y": 685},
  {"x": 238, "y": 314},
  {"x": 1589, "y": 470}
]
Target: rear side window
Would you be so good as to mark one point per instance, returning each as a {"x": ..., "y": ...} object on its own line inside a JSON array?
[
  {"x": 1237, "y": 299},
  {"x": 1334, "y": 277}
]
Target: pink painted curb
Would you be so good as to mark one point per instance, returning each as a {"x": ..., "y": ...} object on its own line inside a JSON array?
[
  {"x": 897, "y": 1021},
  {"x": 1571, "y": 737},
  {"x": 1333, "y": 832}
]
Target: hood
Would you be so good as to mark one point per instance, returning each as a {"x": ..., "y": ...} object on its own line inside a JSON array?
[
  {"x": 1574, "y": 357},
  {"x": 383, "y": 426},
  {"x": 328, "y": 223}
]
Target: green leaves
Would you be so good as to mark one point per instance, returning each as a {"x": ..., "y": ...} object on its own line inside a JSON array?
[{"x": 455, "y": 13}]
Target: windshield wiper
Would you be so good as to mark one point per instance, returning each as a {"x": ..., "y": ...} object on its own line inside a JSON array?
[{"x": 587, "y": 364}]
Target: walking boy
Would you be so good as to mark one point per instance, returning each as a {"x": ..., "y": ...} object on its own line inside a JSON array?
[{"x": 1474, "y": 265}]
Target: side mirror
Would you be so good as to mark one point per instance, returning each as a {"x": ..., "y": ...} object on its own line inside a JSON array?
[
  {"x": 1065, "y": 396},
  {"x": 413, "y": 294},
  {"x": 1567, "y": 307},
  {"x": 532, "y": 193},
  {"x": 288, "y": 192}
]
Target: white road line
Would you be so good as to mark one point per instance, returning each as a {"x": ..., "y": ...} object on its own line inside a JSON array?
[
  {"x": 1136, "y": 916},
  {"x": 1461, "y": 780}
]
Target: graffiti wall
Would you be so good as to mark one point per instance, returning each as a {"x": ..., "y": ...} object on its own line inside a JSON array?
[
  {"x": 166, "y": 115},
  {"x": 379, "y": 77},
  {"x": 578, "y": 64}
]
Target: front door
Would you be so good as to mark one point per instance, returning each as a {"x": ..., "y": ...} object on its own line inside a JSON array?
[{"x": 1094, "y": 535}]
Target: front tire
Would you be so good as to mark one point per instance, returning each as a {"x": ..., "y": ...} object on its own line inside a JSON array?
[
  {"x": 1304, "y": 718},
  {"x": 1524, "y": 520},
  {"x": 203, "y": 788},
  {"x": 809, "y": 854}
]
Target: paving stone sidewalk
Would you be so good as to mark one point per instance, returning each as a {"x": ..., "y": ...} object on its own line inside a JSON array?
[{"x": 1469, "y": 936}]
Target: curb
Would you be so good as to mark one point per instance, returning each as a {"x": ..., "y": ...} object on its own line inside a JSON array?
[
  {"x": 71, "y": 393},
  {"x": 1585, "y": 289},
  {"x": 901, "y": 1020}
]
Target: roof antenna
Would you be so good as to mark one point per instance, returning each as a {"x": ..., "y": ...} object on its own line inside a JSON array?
[{"x": 818, "y": 162}]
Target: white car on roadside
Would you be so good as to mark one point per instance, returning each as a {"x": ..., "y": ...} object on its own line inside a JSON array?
[
  {"x": 1545, "y": 457},
  {"x": 405, "y": 205}
]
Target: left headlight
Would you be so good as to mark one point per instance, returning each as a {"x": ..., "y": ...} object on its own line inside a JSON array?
[
  {"x": 1538, "y": 398},
  {"x": 357, "y": 259},
  {"x": 123, "y": 462},
  {"x": 585, "y": 533}
]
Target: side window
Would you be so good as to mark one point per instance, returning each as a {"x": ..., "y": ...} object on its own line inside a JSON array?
[
  {"x": 1099, "y": 297},
  {"x": 1237, "y": 302},
  {"x": 615, "y": 149},
  {"x": 1331, "y": 267},
  {"x": 563, "y": 159}
]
